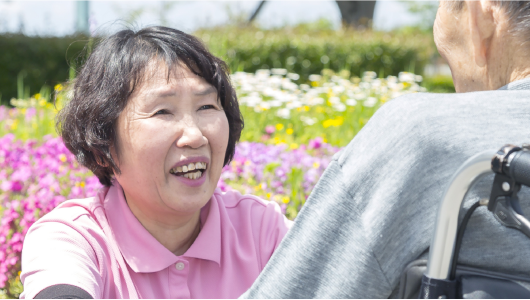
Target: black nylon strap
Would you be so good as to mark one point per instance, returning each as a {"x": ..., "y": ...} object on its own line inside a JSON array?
[{"x": 63, "y": 291}]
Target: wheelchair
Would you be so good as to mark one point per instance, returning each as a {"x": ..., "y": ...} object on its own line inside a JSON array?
[{"x": 440, "y": 277}]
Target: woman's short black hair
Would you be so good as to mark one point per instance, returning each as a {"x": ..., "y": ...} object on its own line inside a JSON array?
[{"x": 117, "y": 65}]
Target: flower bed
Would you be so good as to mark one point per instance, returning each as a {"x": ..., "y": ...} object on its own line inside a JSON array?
[{"x": 36, "y": 177}]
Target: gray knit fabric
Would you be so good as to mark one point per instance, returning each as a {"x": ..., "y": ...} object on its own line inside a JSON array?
[{"x": 373, "y": 210}]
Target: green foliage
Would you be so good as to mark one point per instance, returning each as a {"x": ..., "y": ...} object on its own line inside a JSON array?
[
  {"x": 439, "y": 84},
  {"x": 305, "y": 50},
  {"x": 32, "y": 62}
]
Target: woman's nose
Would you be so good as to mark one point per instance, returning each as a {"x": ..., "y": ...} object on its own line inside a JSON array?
[{"x": 191, "y": 136}]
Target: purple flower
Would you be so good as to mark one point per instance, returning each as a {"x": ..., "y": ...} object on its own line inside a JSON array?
[{"x": 316, "y": 143}]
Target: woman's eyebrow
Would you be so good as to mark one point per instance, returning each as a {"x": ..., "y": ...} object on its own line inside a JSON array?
[
  {"x": 203, "y": 92},
  {"x": 209, "y": 90}
]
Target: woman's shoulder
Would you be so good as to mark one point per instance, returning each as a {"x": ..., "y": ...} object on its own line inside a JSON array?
[
  {"x": 71, "y": 210},
  {"x": 239, "y": 205},
  {"x": 233, "y": 199},
  {"x": 75, "y": 216}
]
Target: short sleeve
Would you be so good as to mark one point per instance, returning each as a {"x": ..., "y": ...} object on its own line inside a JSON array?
[
  {"x": 274, "y": 227},
  {"x": 55, "y": 253}
]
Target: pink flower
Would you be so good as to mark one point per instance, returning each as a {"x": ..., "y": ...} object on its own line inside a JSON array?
[
  {"x": 16, "y": 186},
  {"x": 270, "y": 129},
  {"x": 30, "y": 113},
  {"x": 316, "y": 143}
]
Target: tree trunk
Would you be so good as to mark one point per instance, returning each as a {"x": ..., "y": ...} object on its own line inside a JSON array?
[{"x": 358, "y": 14}]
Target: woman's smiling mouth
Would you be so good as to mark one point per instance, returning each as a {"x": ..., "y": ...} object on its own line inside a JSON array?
[{"x": 193, "y": 170}]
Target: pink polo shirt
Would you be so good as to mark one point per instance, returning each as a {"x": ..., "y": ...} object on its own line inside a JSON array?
[{"x": 97, "y": 244}]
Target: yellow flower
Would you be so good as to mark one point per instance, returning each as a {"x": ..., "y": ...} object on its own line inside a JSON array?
[
  {"x": 289, "y": 131},
  {"x": 42, "y": 102},
  {"x": 37, "y": 96},
  {"x": 14, "y": 125},
  {"x": 328, "y": 123},
  {"x": 285, "y": 199},
  {"x": 316, "y": 165},
  {"x": 268, "y": 195},
  {"x": 293, "y": 146},
  {"x": 306, "y": 108},
  {"x": 82, "y": 184},
  {"x": 333, "y": 122},
  {"x": 62, "y": 157},
  {"x": 258, "y": 187},
  {"x": 58, "y": 87},
  {"x": 279, "y": 126},
  {"x": 314, "y": 83},
  {"x": 23, "y": 111},
  {"x": 325, "y": 140}
]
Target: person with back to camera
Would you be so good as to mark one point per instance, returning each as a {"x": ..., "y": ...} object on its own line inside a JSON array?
[
  {"x": 155, "y": 117},
  {"x": 373, "y": 210}
]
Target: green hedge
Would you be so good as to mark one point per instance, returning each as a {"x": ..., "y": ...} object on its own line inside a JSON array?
[
  {"x": 37, "y": 61},
  {"x": 45, "y": 60},
  {"x": 307, "y": 52},
  {"x": 439, "y": 84}
]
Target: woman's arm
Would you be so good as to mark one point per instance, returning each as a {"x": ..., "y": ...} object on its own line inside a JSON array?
[{"x": 58, "y": 261}]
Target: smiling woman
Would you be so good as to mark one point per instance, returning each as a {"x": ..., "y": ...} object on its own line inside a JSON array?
[{"x": 155, "y": 117}]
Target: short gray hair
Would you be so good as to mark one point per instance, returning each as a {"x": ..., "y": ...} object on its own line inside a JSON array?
[{"x": 518, "y": 13}]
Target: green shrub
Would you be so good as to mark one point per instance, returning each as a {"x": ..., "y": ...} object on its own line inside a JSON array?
[
  {"x": 307, "y": 51},
  {"x": 439, "y": 84},
  {"x": 34, "y": 62}
]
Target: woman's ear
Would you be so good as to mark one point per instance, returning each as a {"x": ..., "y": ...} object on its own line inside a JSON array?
[{"x": 482, "y": 25}]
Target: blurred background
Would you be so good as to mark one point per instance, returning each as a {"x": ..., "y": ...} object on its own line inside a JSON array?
[
  {"x": 42, "y": 42},
  {"x": 308, "y": 75}
]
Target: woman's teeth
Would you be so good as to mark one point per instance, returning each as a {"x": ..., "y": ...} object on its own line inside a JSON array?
[
  {"x": 193, "y": 175},
  {"x": 200, "y": 166}
]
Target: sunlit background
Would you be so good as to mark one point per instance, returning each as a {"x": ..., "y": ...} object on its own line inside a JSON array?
[
  {"x": 308, "y": 75},
  {"x": 57, "y": 18}
]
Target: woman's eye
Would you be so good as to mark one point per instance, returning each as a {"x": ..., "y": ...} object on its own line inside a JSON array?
[
  {"x": 161, "y": 112},
  {"x": 206, "y": 107}
]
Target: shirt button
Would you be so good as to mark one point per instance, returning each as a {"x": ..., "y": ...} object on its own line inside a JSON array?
[{"x": 180, "y": 266}]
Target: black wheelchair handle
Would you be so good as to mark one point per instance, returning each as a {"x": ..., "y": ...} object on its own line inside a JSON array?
[{"x": 517, "y": 167}]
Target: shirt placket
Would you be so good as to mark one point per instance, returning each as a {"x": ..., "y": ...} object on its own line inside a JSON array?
[{"x": 178, "y": 279}]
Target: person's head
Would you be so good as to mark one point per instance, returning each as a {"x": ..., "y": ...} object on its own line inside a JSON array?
[
  {"x": 486, "y": 43},
  {"x": 146, "y": 104}
]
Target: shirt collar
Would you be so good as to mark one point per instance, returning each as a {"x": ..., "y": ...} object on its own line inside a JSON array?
[
  {"x": 523, "y": 84},
  {"x": 143, "y": 253}
]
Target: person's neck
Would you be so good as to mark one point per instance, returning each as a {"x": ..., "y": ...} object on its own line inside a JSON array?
[
  {"x": 507, "y": 64},
  {"x": 176, "y": 233},
  {"x": 520, "y": 74}
]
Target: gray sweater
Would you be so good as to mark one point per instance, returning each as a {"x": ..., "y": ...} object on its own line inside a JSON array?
[{"x": 373, "y": 210}]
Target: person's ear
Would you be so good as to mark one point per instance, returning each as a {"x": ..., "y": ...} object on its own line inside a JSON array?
[{"x": 482, "y": 27}]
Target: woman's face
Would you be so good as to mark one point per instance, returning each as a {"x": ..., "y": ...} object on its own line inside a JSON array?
[{"x": 171, "y": 142}]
